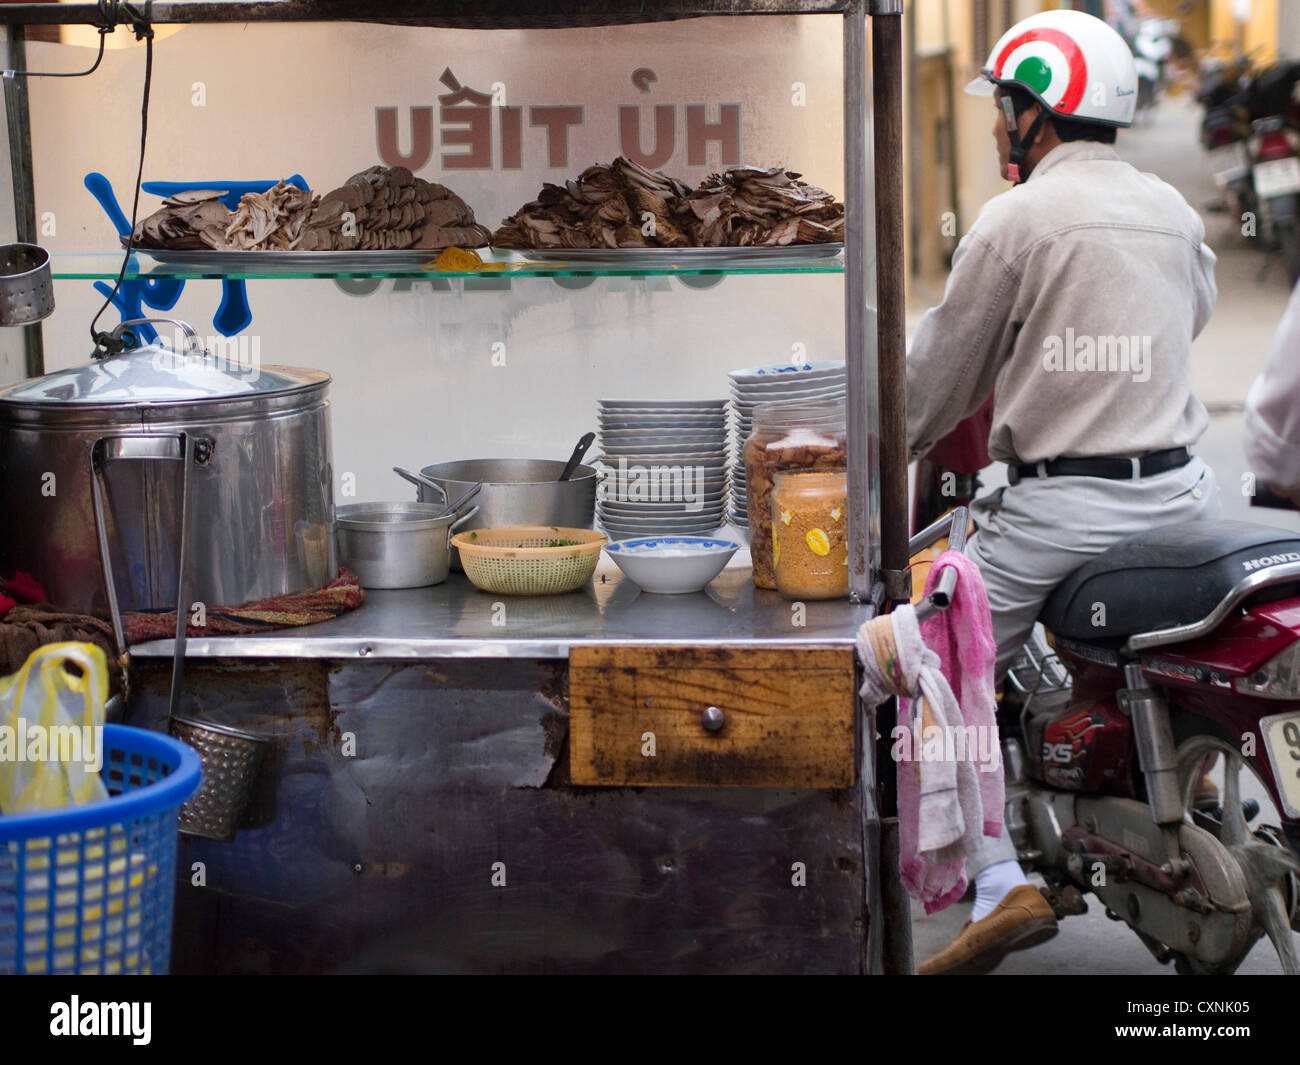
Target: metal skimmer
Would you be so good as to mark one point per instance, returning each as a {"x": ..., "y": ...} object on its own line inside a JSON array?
[{"x": 231, "y": 760}]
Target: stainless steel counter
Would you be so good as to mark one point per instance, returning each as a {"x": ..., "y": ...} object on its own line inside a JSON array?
[{"x": 456, "y": 620}]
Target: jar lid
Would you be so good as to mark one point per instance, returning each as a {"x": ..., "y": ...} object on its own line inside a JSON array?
[
  {"x": 814, "y": 478},
  {"x": 159, "y": 374}
]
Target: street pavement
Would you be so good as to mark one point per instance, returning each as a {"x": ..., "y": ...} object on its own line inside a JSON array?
[{"x": 1226, "y": 358}]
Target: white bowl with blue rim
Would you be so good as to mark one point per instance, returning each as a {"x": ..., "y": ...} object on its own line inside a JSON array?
[
  {"x": 672, "y": 565},
  {"x": 811, "y": 371}
]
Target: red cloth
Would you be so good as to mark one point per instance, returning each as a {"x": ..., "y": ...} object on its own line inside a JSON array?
[
  {"x": 20, "y": 588},
  {"x": 342, "y": 594},
  {"x": 28, "y": 627},
  {"x": 24, "y": 587}
]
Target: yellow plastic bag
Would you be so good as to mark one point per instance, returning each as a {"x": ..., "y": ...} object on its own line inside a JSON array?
[{"x": 52, "y": 729}]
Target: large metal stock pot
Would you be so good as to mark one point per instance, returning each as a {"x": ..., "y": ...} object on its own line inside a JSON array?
[
  {"x": 516, "y": 492},
  {"x": 260, "y": 480}
]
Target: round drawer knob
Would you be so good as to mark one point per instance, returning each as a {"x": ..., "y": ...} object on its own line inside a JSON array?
[{"x": 712, "y": 719}]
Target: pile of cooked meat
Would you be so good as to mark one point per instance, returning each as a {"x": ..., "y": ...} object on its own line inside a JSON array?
[
  {"x": 607, "y": 206},
  {"x": 376, "y": 210},
  {"x": 624, "y": 205},
  {"x": 746, "y": 206},
  {"x": 392, "y": 208}
]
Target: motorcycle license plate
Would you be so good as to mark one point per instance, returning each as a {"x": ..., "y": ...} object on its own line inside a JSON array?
[
  {"x": 1281, "y": 177},
  {"x": 1228, "y": 164},
  {"x": 1282, "y": 741}
]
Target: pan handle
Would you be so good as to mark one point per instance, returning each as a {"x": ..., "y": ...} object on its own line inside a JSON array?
[
  {"x": 116, "y": 342},
  {"x": 420, "y": 481},
  {"x": 146, "y": 447},
  {"x": 455, "y": 525}
]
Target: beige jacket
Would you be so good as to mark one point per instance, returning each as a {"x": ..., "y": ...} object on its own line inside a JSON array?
[
  {"x": 1272, "y": 416},
  {"x": 1073, "y": 299}
]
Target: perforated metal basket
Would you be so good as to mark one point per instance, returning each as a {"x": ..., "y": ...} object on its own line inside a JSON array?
[
  {"x": 231, "y": 760},
  {"x": 26, "y": 285}
]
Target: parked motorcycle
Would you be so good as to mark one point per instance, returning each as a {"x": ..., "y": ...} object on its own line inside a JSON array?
[
  {"x": 1275, "y": 157},
  {"x": 1154, "y": 44},
  {"x": 1172, "y": 651},
  {"x": 1251, "y": 129},
  {"x": 1225, "y": 132}
]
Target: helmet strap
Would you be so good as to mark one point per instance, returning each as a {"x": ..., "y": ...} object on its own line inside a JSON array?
[{"x": 1020, "y": 148}]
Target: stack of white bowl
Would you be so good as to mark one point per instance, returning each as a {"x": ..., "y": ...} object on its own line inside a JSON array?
[
  {"x": 665, "y": 467},
  {"x": 814, "y": 382}
]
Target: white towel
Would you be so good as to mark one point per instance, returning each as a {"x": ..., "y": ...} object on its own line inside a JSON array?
[{"x": 940, "y": 811}]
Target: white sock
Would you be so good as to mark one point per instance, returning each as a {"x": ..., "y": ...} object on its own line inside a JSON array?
[{"x": 992, "y": 885}]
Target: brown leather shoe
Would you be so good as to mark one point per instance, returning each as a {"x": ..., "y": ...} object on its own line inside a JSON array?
[
  {"x": 1023, "y": 919},
  {"x": 1206, "y": 796}
]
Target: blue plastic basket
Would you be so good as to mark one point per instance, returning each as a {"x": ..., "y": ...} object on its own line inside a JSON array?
[{"x": 89, "y": 889}]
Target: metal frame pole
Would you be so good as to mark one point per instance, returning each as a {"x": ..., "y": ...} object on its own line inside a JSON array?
[
  {"x": 891, "y": 352},
  {"x": 18, "y": 122},
  {"x": 857, "y": 336}
]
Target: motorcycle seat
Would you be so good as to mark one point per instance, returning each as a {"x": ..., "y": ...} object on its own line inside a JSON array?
[{"x": 1173, "y": 575}]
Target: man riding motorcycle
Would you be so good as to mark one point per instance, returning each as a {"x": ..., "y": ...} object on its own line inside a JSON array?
[{"x": 1073, "y": 300}]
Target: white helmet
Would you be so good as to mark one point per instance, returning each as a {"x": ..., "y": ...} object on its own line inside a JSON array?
[{"x": 1072, "y": 63}]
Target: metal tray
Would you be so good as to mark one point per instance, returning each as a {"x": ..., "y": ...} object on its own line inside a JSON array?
[{"x": 687, "y": 257}]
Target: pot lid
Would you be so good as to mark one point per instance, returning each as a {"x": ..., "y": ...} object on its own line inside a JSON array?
[{"x": 158, "y": 374}]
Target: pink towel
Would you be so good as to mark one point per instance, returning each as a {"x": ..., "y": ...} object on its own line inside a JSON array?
[
  {"x": 949, "y": 781},
  {"x": 962, "y": 637}
]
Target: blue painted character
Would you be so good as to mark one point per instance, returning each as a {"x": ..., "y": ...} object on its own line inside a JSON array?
[{"x": 161, "y": 294}]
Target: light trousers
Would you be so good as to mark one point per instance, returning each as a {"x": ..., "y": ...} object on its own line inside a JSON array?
[{"x": 1034, "y": 534}]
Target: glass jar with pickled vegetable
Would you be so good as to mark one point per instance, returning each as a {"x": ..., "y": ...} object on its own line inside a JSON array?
[
  {"x": 787, "y": 437},
  {"x": 810, "y": 534}
]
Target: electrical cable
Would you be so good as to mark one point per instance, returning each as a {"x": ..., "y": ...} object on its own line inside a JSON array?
[
  {"x": 104, "y": 31},
  {"x": 105, "y": 343}
]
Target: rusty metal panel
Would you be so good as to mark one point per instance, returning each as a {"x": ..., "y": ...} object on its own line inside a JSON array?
[{"x": 451, "y": 841}]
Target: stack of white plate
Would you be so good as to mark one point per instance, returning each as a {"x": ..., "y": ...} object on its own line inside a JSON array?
[
  {"x": 665, "y": 467},
  {"x": 815, "y": 382}
]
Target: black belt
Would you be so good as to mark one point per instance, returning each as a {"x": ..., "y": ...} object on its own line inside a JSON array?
[{"x": 1113, "y": 469}]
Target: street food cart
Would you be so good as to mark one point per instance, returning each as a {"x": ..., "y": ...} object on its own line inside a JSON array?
[{"x": 604, "y": 781}]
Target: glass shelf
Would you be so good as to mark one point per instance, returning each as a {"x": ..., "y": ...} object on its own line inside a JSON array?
[{"x": 104, "y": 266}]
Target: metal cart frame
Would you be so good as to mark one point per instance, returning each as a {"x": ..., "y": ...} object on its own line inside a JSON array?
[
  {"x": 874, "y": 344},
  {"x": 874, "y": 354}
]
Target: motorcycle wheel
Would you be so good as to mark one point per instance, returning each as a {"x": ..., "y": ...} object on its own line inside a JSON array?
[{"x": 1268, "y": 865}]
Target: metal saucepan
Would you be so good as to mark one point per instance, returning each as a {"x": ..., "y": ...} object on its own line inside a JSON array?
[
  {"x": 397, "y": 545},
  {"x": 517, "y": 492}
]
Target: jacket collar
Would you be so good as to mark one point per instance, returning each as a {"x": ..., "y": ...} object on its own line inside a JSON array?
[{"x": 1074, "y": 151}]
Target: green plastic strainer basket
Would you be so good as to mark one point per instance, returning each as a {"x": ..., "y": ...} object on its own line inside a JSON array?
[{"x": 520, "y": 559}]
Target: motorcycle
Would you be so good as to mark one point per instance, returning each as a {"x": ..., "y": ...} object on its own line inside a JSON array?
[
  {"x": 1250, "y": 130},
  {"x": 1170, "y": 652},
  {"x": 1275, "y": 162},
  {"x": 1225, "y": 132},
  {"x": 1154, "y": 44}
]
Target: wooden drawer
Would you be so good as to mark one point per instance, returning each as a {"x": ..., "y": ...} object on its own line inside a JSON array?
[{"x": 787, "y": 716}]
